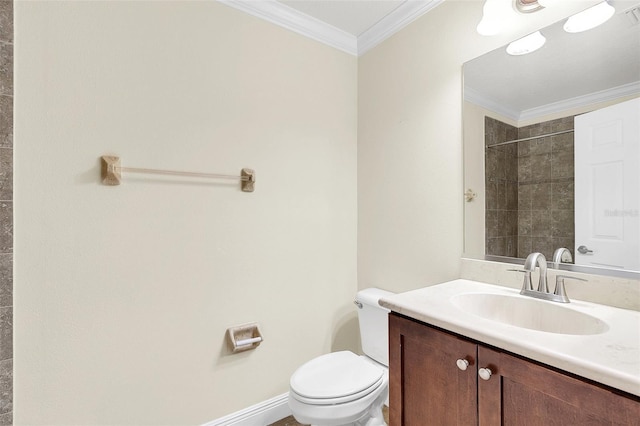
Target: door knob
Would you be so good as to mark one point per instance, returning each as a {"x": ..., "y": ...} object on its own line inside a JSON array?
[
  {"x": 462, "y": 364},
  {"x": 484, "y": 373},
  {"x": 584, "y": 250}
]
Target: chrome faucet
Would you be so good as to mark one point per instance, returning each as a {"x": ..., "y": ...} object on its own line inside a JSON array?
[
  {"x": 538, "y": 260},
  {"x": 533, "y": 260},
  {"x": 557, "y": 257}
]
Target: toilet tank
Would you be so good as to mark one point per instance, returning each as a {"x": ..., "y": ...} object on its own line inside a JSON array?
[{"x": 374, "y": 324}]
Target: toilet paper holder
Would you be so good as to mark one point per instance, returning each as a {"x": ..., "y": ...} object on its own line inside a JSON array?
[{"x": 244, "y": 337}]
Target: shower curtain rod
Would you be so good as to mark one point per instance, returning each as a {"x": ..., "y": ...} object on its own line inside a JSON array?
[{"x": 531, "y": 138}]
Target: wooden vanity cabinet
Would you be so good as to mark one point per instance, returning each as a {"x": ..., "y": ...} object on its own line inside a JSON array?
[{"x": 426, "y": 387}]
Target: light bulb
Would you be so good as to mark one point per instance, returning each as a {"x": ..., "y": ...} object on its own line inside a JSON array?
[
  {"x": 493, "y": 14},
  {"x": 527, "y": 44},
  {"x": 590, "y": 18}
]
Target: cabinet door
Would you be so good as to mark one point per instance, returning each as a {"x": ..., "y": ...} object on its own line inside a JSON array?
[
  {"x": 426, "y": 386},
  {"x": 520, "y": 392}
]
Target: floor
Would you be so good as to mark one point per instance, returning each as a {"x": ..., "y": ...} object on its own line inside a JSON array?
[{"x": 290, "y": 421}]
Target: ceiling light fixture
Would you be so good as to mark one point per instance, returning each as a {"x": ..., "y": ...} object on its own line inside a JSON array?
[
  {"x": 528, "y": 6},
  {"x": 491, "y": 23},
  {"x": 590, "y": 18},
  {"x": 527, "y": 44}
]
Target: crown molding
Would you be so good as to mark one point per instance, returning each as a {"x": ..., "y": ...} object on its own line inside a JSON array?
[
  {"x": 618, "y": 92},
  {"x": 399, "y": 18},
  {"x": 287, "y": 17},
  {"x": 475, "y": 97}
]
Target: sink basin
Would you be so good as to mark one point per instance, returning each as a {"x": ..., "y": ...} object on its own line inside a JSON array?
[{"x": 524, "y": 312}]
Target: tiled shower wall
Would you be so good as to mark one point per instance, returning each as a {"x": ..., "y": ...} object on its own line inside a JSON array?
[
  {"x": 6, "y": 212},
  {"x": 539, "y": 216},
  {"x": 501, "y": 183},
  {"x": 545, "y": 189}
]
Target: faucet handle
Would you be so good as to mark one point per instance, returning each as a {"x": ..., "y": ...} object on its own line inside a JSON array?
[{"x": 560, "y": 290}]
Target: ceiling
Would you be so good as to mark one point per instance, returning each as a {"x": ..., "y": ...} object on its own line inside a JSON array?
[{"x": 352, "y": 16}]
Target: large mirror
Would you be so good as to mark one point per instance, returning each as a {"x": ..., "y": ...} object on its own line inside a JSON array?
[{"x": 529, "y": 122}]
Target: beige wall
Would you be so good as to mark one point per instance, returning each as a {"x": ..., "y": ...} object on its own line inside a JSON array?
[
  {"x": 410, "y": 169},
  {"x": 123, "y": 294}
]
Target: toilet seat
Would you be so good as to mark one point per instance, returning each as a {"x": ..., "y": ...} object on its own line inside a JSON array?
[{"x": 335, "y": 378}]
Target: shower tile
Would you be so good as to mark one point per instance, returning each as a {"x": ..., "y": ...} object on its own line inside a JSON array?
[
  {"x": 541, "y": 196},
  {"x": 6, "y": 21},
  {"x": 6, "y": 174},
  {"x": 562, "y": 142},
  {"x": 562, "y": 195},
  {"x": 525, "y": 223},
  {"x": 6, "y": 333},
  {"x": 524, "y": 169},
  {"x": 524, "y": 197},
  {"x": 562, "y": 223},
  {"x": 523, "y": 148},
  {"x": 511, "y": 167},
  {"x": 498, "y": 163},
  {"x": 541, "y": 129},
  {"x": 496, "y": 246},
  {"x": 524, "y": 246},
  {"x": 6, "y": 227},
  {"x": 493, "y": 163},
  {"x": 492, "y": 224},
  {"x": 541, "y": 225},
  {"x": 511, "y": 133},
  {"x": 6, "y": 280},
  {"x": 524, "y": 132},
  {"x": 511, "y": 223},
  {"x": 502, "y": 195},
  {"x": 511, "y": 246},
  {"x": 491, "y": 196},
  {"x": 512, "y": 196},
  {"x": 6, "y": 68},
  {"x": 540, "y": 146},
  {"x": 565, "y": 123},
  {"x": 6, "y": 121},
  {"x": 540, "y": 167},
  {"x": 562, "y": 165},
  {"x": 6, "y": 419},
  {"x": 543, "y": 245},
  {"x": 6, "y": 388}
]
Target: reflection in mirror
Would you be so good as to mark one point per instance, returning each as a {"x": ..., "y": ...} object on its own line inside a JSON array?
[{"x": 519, "y": 117}]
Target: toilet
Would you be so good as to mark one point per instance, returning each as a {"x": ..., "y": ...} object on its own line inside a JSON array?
[{"x": 342, "y": 388}]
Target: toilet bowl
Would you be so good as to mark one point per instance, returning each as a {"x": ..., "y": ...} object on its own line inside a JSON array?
[{"x": 342, "y": 388}]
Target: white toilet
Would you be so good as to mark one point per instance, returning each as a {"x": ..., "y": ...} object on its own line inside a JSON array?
[{"x": 342, "y": 388}]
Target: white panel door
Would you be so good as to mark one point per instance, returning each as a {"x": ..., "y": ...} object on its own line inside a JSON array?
[{"x": 607, "y": 187}]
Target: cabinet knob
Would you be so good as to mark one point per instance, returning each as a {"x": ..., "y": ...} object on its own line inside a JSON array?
[
  {"x": 462, "y": 364},
  {"x": 484, "y": 373}
]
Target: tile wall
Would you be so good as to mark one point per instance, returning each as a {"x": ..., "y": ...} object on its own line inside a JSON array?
[
  {"x": 501, "y": 183},
  {"x": 529, "y": 189},
  {"x": 6, "y": 212},
  {"x": 545, "y": 189}
]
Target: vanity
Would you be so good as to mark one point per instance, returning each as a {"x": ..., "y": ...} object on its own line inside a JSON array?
[{"x": 465, "y": 352}]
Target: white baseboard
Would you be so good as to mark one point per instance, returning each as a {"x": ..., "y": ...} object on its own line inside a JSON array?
[{"x": 261, "y": 414}]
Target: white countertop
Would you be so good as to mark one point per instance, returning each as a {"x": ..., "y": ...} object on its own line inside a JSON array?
[{"x": 611, "y": 358}]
